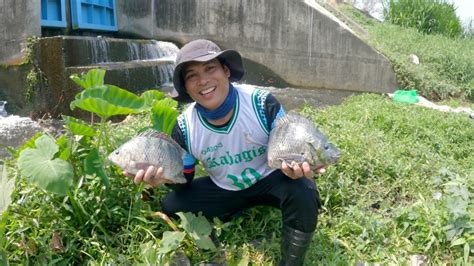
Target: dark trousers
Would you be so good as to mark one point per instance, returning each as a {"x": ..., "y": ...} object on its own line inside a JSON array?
[{"x": 297, "y": 199}]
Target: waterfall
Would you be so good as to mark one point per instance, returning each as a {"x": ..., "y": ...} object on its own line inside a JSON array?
[
  {"x": 134, "y": 51},
  {"x": 159, "y": 49},
  {"x": 3, "y": 112},
  {"x": 99, "y": 50}
]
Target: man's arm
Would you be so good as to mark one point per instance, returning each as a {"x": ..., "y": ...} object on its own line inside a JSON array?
[{"x": 189, "y": 162}]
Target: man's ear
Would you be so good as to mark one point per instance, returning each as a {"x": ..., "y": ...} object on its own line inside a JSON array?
[{"x": 226, "y": 70}]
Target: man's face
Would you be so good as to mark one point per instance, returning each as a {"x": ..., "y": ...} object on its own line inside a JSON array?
[{"x": 207, "y": 82}]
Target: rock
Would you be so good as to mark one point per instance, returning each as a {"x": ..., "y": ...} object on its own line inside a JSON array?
[
  {"x": 180, "y": 259},
  {"x": 418, "y": 260},
  {"x": 414, "y": 59},
  {"x": 16, "y": 130}
]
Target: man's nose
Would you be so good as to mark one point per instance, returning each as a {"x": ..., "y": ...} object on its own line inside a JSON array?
[{"x": 203, "y": 79}]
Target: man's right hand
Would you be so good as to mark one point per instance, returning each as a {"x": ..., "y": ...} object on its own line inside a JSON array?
[{"x": 152, "y": 176}]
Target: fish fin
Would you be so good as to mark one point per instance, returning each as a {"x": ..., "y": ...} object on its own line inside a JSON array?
[
  {"x": 153, "y": 133},
  {"x": 282, "y": 121},
  {"x": 250, "y": 140},
  {"x": 293, "y": 117},
  {"x": 150, "y": 132}
]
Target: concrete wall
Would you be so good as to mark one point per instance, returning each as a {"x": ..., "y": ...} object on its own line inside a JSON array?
[
  {"x": 298, "y": 40},
  {"x": 19, "y": 19}
]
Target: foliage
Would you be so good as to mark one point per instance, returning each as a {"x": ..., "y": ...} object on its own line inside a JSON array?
[
  {"x": 404, "y": 186},
  {"x": 446, "y": 68},
  {"x": 428, "y": 16},
  {"x": 40, "y": 166},
  {"x": 392, "y": 194},
  {"x": 107, "y": 101},
  {"x": 164, "y": 115},
  {"x": 94, "y": 78},
  {"x": 6, "y": 187},
  {"x": 85, "y": 208}
]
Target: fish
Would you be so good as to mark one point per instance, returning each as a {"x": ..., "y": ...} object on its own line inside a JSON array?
[
  {"x": 151, "y": 147},
  {"x": 296, "y": 139}
]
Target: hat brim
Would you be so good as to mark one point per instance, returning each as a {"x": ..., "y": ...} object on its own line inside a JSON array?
[{"x": 230, "y": 58}]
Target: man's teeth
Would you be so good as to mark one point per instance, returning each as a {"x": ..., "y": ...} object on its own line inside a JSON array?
[{"x": 207, "y": 91}]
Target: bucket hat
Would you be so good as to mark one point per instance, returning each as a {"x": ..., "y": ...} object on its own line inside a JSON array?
[{"x": 202, "y": 51}]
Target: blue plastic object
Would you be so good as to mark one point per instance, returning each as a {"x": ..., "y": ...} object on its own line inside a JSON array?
[
  {"x": 94, "y": 14},
  {"x": 53, "y": 13}
]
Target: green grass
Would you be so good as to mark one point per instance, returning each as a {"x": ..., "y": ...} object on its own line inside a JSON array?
[
  {"x": 381, "y": 202},
  {"x": 447, "y": 64},
  {"x": 403, "y": 187}
]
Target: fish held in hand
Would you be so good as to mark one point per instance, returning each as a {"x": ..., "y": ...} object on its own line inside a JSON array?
[
  {"x": 151, "y": 148},
  {"x": 295, "y": 139}
]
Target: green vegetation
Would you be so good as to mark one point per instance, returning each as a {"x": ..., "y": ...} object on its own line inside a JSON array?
[
  {"x": 404, "y": 186},
  {"x": 446, "y": 68},
  {"x": 428, "y": 16}
]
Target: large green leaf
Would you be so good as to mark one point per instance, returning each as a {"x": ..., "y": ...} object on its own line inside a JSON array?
[
  {"x": 164, "y": 115},
  {"x": 6, "y": 189},
  {"x": 108, "y": 101},
  {"x": 93, "y": 164},
  {"x": 198, "y": 228},
  {"x": 65, "y": 147},
  {"x": 40, "y": 168},
  {"x": 3, "y": 258},
  {"x": 30, "y": 143},
  {"x": 151, "y": 96},
  {"x": 170, "y": 241},
  {"x": 92, "y": 79},
  {"x": 78, "y": 127}
]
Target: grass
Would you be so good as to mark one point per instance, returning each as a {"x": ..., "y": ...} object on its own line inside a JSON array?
[
  {"x": 446, "y": 68},
  {"x": 381, "y": 201},
  {"x": 403, "y": 187}
]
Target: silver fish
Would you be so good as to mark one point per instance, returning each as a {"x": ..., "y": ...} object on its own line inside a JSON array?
[
  {"x": 296, "y": 139},
  {"x": 151, "y": 148}
]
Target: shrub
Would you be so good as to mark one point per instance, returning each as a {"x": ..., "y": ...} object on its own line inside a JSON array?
[{"x": 428, "y": 16}]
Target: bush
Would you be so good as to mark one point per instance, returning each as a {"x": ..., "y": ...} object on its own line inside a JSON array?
[{"x": 428, "y": 16}]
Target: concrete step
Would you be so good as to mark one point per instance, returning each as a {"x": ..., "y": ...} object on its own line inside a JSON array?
[
  {"x": 83, "y": 51},
  {"x": 134, "y": 65},
  {"x": 135, "y": 76}
]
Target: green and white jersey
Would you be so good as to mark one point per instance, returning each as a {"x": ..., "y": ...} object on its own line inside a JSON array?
[{"x": 235, "y": 155}]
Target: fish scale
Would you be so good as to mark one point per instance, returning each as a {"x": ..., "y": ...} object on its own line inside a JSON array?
[
  {"x": 151, "y": 148},
  {"x": 296, "y": 139}
]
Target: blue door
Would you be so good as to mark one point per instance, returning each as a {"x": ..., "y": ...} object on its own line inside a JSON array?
[
  {"x": 94, "y": 14},
  {"x": 53, "y": 13}
]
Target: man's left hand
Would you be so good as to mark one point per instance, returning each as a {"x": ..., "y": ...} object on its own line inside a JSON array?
[{"x": 295, "y": 171}]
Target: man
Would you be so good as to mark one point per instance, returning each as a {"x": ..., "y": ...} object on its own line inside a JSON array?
[{"x": 225, "y": 128}]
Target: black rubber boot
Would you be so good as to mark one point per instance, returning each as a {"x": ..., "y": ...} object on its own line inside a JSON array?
[{"x": 294, "y": 244}]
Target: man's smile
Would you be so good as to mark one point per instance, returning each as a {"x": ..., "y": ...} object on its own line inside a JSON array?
[{"x": 207, "y": 91}]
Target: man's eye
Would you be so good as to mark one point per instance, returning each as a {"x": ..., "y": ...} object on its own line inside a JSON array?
[{"x": 190, "y": 76}]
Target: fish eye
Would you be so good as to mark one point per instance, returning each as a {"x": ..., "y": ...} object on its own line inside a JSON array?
[
  {"x": 326, "y": 147},
  {"x": 117, "y": 152}
]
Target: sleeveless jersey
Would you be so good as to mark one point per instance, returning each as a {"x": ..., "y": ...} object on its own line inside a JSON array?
[{"x": 235, "y": 156}]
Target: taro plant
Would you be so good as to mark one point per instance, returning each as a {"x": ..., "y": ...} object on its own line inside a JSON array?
[
  {"x": 163, "y": 110},
  {"x": 52, "y": 164},
  {"x": 70, "y": 165},
  {"x": 6, "y": 188},
  {"x": 194, "y": 231}
]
